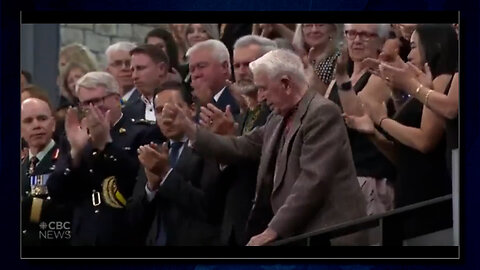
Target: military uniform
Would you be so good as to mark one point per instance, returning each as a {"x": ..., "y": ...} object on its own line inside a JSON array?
[
  {"x": 38, "y": 209},
  {"x": 100, "y": 185}
]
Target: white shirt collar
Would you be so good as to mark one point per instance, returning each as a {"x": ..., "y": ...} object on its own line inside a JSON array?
[
  {"x": 40, "y": 155},
  {"x": 149, "y": 109},
  {"x": 183, "y": 140},
  {"x": 128, "y": 94},
  {"x": 146, "y": 100},
  {"x": 217, "y": 96}
]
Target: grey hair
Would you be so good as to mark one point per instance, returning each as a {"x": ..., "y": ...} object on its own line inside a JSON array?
[
  {"x": 383, "y": 29},
  {"x": 280, "y": 62},
  {"x": 217, "y": 49},
  {"x": 265, "y": 44},
  {"x": 96, "y": 79},
  {"x": 298, "y": 40},
  {"x": 119, "y": 46}
]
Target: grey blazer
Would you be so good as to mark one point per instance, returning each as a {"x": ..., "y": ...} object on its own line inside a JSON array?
[{"x": 312, "y": 184}]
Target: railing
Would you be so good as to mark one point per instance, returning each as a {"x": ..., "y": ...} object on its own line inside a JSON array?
[{"x": 391, "y": 224}]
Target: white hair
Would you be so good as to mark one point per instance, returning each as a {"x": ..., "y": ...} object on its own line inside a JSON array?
[
  {"x": 96, "y": 79},
  {"x": 119, "y": 46},
  {"x": 217, "y": 49},
  {"x": 383, "y": 29},
  {"x": 265, "y": 44},
  {"x": 280, "y": 62}
]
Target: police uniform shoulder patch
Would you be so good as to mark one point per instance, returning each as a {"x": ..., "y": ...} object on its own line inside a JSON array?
[{"x": 111, "y": 194}]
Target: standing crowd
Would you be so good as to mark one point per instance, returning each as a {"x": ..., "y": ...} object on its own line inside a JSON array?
[{"x": 240, "y": 134}]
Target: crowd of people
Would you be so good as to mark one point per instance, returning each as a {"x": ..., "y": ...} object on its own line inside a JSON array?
[{"x": 240, "y": 134}]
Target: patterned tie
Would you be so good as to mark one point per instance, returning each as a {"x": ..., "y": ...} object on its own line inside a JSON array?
[{"x": 33, "y": 164}]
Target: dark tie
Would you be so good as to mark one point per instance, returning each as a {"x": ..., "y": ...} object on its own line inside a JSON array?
[
  {"x": 172, "y": 159},
  {"x": 33, "y": 165},
  {"x": 174, "y": 151}
]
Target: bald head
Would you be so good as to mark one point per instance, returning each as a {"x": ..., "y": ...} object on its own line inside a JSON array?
[{"x": 37, "y": 123}]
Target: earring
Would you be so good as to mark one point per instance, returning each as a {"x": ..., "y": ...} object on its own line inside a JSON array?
[{"x": 330, "y": 38}]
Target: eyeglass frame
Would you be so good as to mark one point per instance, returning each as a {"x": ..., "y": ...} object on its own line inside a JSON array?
[
  {"x": 362, "y": 35},
  {"x": 121, "y": 63},
  {"x": 95, "y": 101}
]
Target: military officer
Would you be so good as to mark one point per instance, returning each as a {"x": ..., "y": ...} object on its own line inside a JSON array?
[
  {"x": 37, "y": 127},
  {"x": 98, "y": 163}
]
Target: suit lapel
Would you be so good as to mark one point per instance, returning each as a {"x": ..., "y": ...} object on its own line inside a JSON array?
[
  {"x": 269, "y": 149},
  {"x": 47, "y": 162},
  {"x": 282, "y": 158},
  {"x": 184, "y": 158}
]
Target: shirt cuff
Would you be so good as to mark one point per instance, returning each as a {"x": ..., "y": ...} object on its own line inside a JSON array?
[
  {"x": 151, "y": 194},
  {"x": 166, "y": 176}
]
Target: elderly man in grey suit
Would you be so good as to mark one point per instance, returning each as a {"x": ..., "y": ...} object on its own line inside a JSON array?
[{"x": 306, "y": 178}]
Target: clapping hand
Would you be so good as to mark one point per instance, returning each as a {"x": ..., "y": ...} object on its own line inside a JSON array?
[
  {"x": 218, "y": 121},
  {"x": 76, "y": 131},
  {"x": 99, "y": 127},
  {"x": 154, "y": 159},
  {"x": 363, "y": 124}
]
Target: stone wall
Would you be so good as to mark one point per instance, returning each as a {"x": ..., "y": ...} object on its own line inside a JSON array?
[{"x": 97, "y": 37}]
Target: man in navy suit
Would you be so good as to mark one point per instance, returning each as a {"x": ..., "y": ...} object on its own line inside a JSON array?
[
  {"x": 209, "y": 64},
  {"x": 175, "y": 201}
]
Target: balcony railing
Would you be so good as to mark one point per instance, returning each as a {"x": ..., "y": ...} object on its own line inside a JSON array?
[{"x": 391, "y": 224}]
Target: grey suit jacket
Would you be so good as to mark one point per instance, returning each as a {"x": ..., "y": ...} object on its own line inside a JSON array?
[{"x": 312, "y": 183}]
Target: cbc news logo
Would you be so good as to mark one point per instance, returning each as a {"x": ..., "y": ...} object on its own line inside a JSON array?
[{"x": 54, "y": 230}]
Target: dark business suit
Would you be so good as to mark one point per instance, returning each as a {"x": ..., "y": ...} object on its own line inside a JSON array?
[
  {"x": 187, "y": 202},
  {"x": 306, "y": 183},
  {"x": 105, "y": 224},
  {"x": 240, "y": 179},
  {"x": 226, "y": 98},
  {"x": 51, "y": 210}
]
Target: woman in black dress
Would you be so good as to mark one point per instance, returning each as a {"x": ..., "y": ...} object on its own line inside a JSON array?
[{"x": 415, "y": 134}]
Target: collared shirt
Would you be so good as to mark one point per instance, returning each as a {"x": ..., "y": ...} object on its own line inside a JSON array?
[
  {"x": 40, "y": 155},
  {"x": 149, "y": 109},
  {"x": 151, "y": 194},
  {"x": 217, "y": 96},
  {"x": 116, "y": 122},
  {"x": 127, "y": 95}
]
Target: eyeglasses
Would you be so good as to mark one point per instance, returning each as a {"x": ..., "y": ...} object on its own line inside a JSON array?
[
  {"x": 94, "y": 101},
  {"x": 365, "y": 36},
  {"x": 121, "y": 63},
  {"x": 310, "y": 26}
]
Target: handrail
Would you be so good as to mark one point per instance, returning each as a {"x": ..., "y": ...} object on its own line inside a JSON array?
[{"x": 362, "y": 223}]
